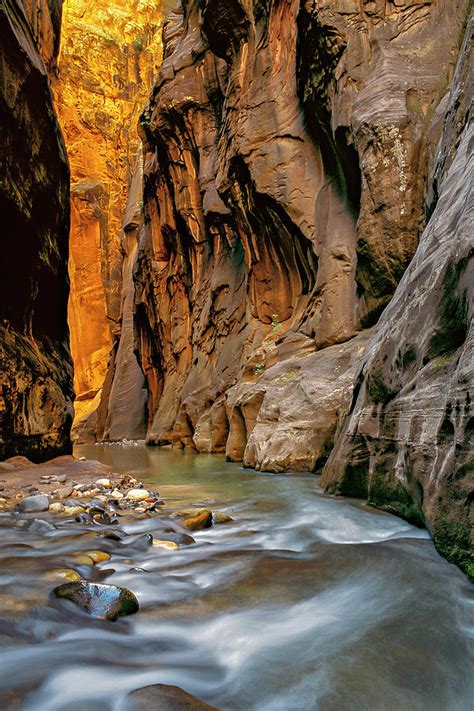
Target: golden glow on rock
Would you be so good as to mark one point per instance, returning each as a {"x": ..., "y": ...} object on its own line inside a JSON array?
[{"x": 108, "y": 58}]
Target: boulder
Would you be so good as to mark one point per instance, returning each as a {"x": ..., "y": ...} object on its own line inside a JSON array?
[{"x": 106, "y": 602}]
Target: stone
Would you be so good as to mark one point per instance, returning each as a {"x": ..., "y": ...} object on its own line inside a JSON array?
[
  {"x": 168, "y": 545},
  {"x": 82, "y": 558},
  {"x": 106, "y": 483},
  {"x": 73, "y": 510},
  {"x": 97, "y": 556},
  {"x": 40, "y": 526},
  {"x": 165, "y": 698},
  {"x": 197, "y": 523},
  {"x": 137, "y": 494},
  {"x": 116, "y": 494},
  {"x": 105, "y": 602},
  {"x": 221, "y": 517},
  {"x": 33, "y": 504},
  {"x": 56, "y": 508},
  {"x": 70, "y": 576},
  {"x": 64, "y": 492}
]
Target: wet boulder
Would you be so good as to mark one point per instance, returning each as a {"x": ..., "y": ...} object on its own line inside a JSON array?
[
  {"x": 197, "y": 523},
  {"x": 106, "y": 602},
  {"x": 41, "y": 527},
  {"x": 165, "y": 698}
]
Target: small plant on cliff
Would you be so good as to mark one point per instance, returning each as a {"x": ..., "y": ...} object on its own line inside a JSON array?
[
  {"x": 145, "y": 118},
  {"x": 259, "y": 369},
  {"x": 276, "y": 323}
]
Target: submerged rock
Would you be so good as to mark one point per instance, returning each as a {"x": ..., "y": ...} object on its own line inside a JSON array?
[
  {"x": 63, "y": 574},
  {"x": 40, "y": 526},
  {"x": 168, "y": 545},
  {"x": 165, "y": 698},
  {"x": 106, "y": 602},
  {"x": 33, "y": 504},
  {"x": 197, "y": 523}
]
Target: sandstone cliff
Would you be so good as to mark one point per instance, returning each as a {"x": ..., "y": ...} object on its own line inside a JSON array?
[
  {"x": 408, "y": 444},
  {"x": 287, "y": 149},
  {"x": 35, "y": 365},
  {"x": 109, "y": 53}
]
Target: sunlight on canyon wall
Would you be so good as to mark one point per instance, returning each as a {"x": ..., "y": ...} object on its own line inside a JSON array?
[{"x": 108, "y": 58}]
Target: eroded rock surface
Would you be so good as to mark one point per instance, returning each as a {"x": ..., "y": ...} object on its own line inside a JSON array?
[
  {"x": 287, "y": 148},
  {"x": 35, "y": 365},
  {"x": 408, "y": 444}
]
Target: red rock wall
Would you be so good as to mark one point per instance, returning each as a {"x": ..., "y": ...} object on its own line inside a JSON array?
[
  {"x": 35, "y": 366},
  {"x": 287, "y": 147}
]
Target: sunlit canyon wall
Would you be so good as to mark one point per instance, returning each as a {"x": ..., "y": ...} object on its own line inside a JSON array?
[{"x": 108, "y": 58}]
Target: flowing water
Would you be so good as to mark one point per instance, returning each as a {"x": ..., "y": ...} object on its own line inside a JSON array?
[{"x": 303, "y": 602}]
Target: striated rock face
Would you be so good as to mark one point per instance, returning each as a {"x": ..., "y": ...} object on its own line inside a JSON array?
[
  {"x": 408, "y": 444},
  {"x": 287, "y": 149},
  {"x": 109, "y": 52},
  {"x": 35, "y": 367}
]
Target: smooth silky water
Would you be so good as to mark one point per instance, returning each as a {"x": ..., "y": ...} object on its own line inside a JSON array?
[{"x": 304, "y": 602}]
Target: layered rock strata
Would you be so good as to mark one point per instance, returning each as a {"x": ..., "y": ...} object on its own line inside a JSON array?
[
  {"x": 109, "y": 54},
  {"x": 287, "y": 149},
  {"x": 408, "y": 444},
  {"x": 35, "y": 366}
]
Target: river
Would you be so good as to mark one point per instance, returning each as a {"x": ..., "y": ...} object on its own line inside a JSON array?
[{"x": 303, "y": 602}]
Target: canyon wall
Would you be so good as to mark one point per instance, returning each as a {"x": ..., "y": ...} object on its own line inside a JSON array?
[
  {"x": 408, "y": 443},
  {"x": 108, "y": 59},
  {"x": 287, "y": 148},
  {"x": 35, "y": 365}
]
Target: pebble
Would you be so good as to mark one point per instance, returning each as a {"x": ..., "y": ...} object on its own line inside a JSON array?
[
  {"x": 221, "y": 517},
  {"x": 138, "y": 494},
  {"x": 97, "y": 556},
  {"x": 63, "y": 574},
  {"x": 62, "y": 478},
  {"x": 105, "y": 602},
  {"x": 63, "y": 492},
  {"x": 106, "y": 483},
  {"x": 116, "y": 494},
  {"x": 56, "y": 508},
  {"x": 161, "y": 696},
  {"x": 3, "y": 500},
  {"x": 40, "y": 526},
  {"x": 170, "y": 545},
  {"x": 73, "y": 510},
  {"x": 82, "y": 559},
  {"x": 32, "y": 504},
  {"x": 197, "y": 523}
]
